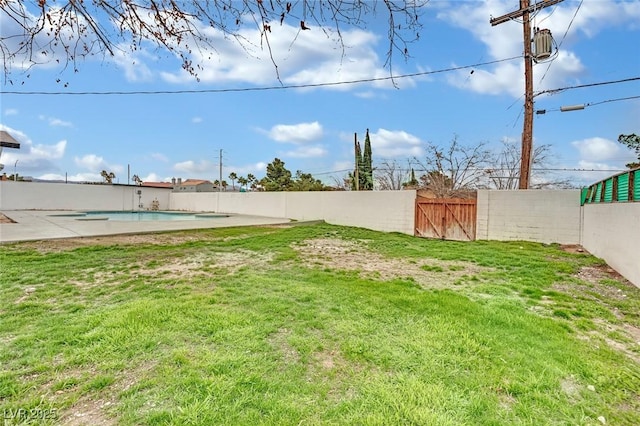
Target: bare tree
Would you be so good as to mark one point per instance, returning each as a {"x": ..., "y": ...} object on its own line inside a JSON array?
[
  {"x": 64, "y": 31},
  {"x": 390, "y": 175},
  {"x": 342, "y": 183},
  {"x": 453, "y": 169},
  {"x": 504, "y": 169}
]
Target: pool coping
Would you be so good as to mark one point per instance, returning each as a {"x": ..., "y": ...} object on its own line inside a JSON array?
[{"x": 33, "y": 225}]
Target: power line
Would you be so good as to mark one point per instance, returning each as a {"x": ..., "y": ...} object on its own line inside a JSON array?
[
  {"x": 562, "y": 40},
  {"x": 628, "y": 98},
  {"x": 566, "y": 169},
  {"x": 581, "y": 86},
  {"x": 257, "y": 89}
]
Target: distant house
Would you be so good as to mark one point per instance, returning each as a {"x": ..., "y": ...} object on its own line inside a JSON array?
[
  {"x": 168, "y": 185},
  {"x": 193, "y": 185}
]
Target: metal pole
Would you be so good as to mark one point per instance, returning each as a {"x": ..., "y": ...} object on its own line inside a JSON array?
[
  {"x": 356, "y": 174},
  {"x": 220, "y": 181}
]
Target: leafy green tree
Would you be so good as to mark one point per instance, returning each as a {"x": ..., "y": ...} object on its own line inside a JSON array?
[
  {"x": 278, "y": 178},
  {"x": 306, "y": 182},
  {"x": 233, "y": 176},
  {"x": 632, "y": 142},
  {"x": 413, "y": 182}
]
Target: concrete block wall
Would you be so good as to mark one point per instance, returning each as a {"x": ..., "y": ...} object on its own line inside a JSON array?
[
  {"x": 611, "y": 231},
  {"x": 391, "y": 211},
  {"x": 71, "y": 196},
  {"x": 540, "y": 216}
]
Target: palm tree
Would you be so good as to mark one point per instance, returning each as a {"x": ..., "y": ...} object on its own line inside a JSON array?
[
  {"x": 242, "y": 181},
  {"x": 251, "y": 179},
  {"x": 233, "y": 176},
  {"x": 108, "y": 177}
]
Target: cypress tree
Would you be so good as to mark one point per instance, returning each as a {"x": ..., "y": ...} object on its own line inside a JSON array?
[
  {"x": 367, "y": 164},
  {"x": 356, "y": 178}
]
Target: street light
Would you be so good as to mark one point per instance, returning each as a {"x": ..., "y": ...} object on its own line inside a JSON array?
[
  {"x": 572, "y": 108},
  {"x": 15, "y": 174}
]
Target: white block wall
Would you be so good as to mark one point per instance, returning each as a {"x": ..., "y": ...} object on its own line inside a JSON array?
[
  {"x": 71, "y": 196},
  {"x": 611, "y": 231},
  {"x": 379, "y": 210},
  {"x": 540, "y": 216}
]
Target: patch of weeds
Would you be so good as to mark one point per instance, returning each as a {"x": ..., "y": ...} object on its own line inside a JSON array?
[
  {"x": 65, "y": 384},
  {"x": 432, "y": 268},
  {"x": 562, "y": 313},
  {"x": 98, "y": 383}
]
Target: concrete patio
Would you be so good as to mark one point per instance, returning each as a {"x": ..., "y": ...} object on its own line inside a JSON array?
[{"x": 31, "y": 225}]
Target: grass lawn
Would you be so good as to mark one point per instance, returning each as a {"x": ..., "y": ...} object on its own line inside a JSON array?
[{"x": 313, "y": 324}]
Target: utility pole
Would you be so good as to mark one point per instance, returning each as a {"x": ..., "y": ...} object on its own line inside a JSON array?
[
  {"x": 356, "y": 174},
  {"x": 527, "y": 131},
  {"x": 220, "y": 181}
]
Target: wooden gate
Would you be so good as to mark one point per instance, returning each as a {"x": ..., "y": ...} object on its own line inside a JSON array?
[{"x": 446, "y": 218}]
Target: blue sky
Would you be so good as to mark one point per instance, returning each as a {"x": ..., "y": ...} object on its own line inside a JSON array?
[{"x": 160, "y": 136}]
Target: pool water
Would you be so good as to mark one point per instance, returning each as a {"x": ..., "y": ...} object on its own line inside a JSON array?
[{"x": 147, "y": 216}]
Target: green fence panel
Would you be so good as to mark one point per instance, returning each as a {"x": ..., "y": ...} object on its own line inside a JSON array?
[
  {"x": 598, "y": 192},
  {"x": 636, "y": 185},
  {"x": 608, "y": 190},
  {"x": 583, "y": 196},
  {"x": 623, "y": 187}
]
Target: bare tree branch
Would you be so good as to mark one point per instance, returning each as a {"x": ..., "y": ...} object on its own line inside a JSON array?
[{"x": 64, "y": 31}]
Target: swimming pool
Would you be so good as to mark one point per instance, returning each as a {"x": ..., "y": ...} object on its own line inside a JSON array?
[{"x": 144, "y": 215}]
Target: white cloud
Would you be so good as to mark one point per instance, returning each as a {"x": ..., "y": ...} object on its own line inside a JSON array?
[
  {"x": 296, "y": 133},
  {"x": 56, "y": 122},
  {"x": 91, "y": 162},
  {"x": 153, "y": 177},
  {"x": 160, "y": 157},
  {"x": 96, "y": 164},
  {"x": 258, "y": 168},
  {"x": 32, "y": 157},
  {"x": 196, "y": 120},
  {"x": 343, "y": 166},
  {"x": 302, "y": 58},
  {"x": 505, "y": 41},
  {"x": 600, "y": 154},
  {"x": 306, "y": 152},
  {"x": 191, "y": 167},
  {"x": 133, "y": 64},
  {"x": 10, "y": 111},
  {"x": 394, "y": 143},
  {"x": 600, "y": 151}
]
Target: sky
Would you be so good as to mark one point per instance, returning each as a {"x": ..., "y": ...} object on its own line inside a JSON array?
[{"x": 457, "y": 82}]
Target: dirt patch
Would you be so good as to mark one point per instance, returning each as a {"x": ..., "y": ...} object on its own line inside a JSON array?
[
  {"x": 161, "y": 239},
  {"x": 596, "y": 284},
  {"x": 279, "y": 341},
  {"x": 573, "y": 248},
  {"x": 335, "y": 253},
  {"x": 201, "y": 265},
  {"x": 88, "y": 411},
  {"x": 602, "y": 285},
  {"x": 66, "y": 244}
]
